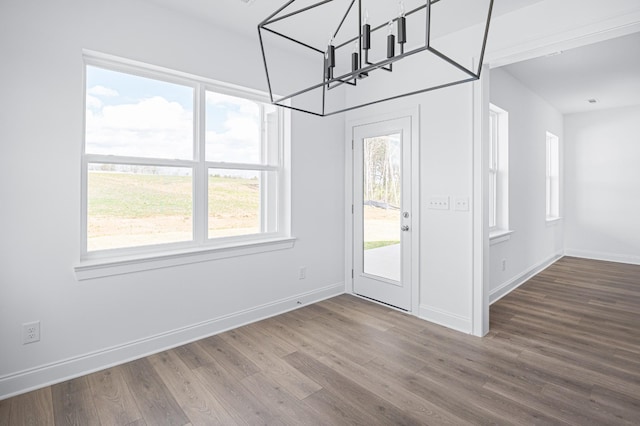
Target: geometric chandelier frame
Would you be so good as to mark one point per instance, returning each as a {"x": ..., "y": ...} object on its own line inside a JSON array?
[{"x": 331, "y": 75}]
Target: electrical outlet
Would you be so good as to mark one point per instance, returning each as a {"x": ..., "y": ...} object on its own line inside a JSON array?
[
  {"x": 302, "y": 273},
  {"x": 30, "y": 332},
  {"x": 504, "y": 264}
]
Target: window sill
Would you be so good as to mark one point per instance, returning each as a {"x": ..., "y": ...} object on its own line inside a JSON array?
[
  {"x": 552, "y": 221},
  {"x": 499, "y": 236},
  {"x": 92, "y": 269}
]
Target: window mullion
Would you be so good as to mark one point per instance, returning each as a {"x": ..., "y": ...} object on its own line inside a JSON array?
[
  {"x": 200, "y": 187},
  {"x": 241, "y": 166}
]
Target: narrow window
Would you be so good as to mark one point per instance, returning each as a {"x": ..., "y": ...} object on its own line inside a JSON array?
[
  {"x": 498, "y": 169},
  {"x": 553, "y": 177}
]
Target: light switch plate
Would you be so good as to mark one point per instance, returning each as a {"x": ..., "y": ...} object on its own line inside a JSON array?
[
  {"x": 461, "y": 204},
  {"x": 439, "y": 203}
]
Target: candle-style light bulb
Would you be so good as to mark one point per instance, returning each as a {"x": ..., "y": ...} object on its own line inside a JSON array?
[
  {"x": 330, "y": 58},
  {"x": 402, "y": 26},
  {"x": 366, "y": 32},
  {"x": 391, "y": 41},
  {"x": 355, "y": 63}
]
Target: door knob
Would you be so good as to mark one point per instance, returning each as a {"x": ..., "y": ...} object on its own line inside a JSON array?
[{"x": 405, "y": 227}]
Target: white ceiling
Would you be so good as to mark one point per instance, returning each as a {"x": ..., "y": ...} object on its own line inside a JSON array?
[
  {"x": 608, "y": 71},
  {"x": 243, "y": 18}
]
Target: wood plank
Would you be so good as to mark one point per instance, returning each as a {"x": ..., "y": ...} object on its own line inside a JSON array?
[
  {"x": 33, "y": 408},
  {"x": 155, "y": 402},
  {"x": 242, "y": 406},
  {"x": 112, "y": 397},
  {"x": 360, "y": 398},
  {"x": 252, "y": 345},
  {"x": 291, "y": 409},
  {"x": 228, "y": 357},
  {"x": 73, "y": 403},
  {"x": 199, "y": 405},
  {"x": 392, "y": 389},
  {"x": 5, "y": 412}
]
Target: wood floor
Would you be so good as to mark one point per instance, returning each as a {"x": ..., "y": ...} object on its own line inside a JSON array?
[{"x": 564, "y": 349}]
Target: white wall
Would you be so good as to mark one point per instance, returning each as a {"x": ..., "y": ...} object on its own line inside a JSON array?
[
  {"x": 41, "y": 111},
  {"x": 534, "y": 242},
  {"x": 602, "y": 184}
]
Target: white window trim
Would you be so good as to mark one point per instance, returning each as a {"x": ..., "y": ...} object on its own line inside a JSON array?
[
  {"x": 126, "y": 260},
  {"x": 136, "y": 263},
  {"x": 499, "y": 236},
  {"x": 500, "y": 231},
  {"x": 552, "y": 195}
]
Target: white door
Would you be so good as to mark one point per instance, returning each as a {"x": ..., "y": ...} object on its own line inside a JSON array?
[{"x": 382, "y": 211}]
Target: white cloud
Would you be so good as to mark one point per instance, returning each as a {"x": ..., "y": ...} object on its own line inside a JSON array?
[
  {"x": 102, "y": 91},
  {"x": 156, "y": 127},
  {"x": 93, "y": 102},
  {"x": 153, "y": 127}
]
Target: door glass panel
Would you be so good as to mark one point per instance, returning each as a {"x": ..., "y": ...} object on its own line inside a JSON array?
[{"x": 381, "y": 206}]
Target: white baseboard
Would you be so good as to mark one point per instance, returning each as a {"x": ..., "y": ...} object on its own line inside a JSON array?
[
  {"x": 45, "y": 375},
  {"x": 609, "y": 257},
  {"x": 507, "y": 287},
  {"x": 446, "y": 319}
]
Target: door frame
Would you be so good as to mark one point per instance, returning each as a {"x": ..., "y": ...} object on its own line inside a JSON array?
[{"x": 414, "y": 115}]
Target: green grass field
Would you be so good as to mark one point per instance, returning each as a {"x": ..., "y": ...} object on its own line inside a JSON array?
[
  {"x": 137, "y": 195},
  {"x": 136, "y": 209},
  {"x": 368, "y": 245}
]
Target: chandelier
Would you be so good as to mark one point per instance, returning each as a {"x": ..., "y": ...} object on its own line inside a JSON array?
[{"x": 330, "y": 56}]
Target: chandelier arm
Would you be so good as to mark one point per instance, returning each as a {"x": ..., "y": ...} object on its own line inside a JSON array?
[
  {"x": 344, "y": 18},
  {"x": 451, "y": 61},
  {"x": 442, "y": 86},
  {"x": 284, "y": 6},
  {"x": 304, "y": 9},
  {"x": 292, "y": 39},
  {"x": 427, "y": 25},
  {"x": 264, "y": 61},
  {"x": 486, "y": 35}
]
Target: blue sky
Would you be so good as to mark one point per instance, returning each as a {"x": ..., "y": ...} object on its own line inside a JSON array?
[{"x": 137, "y": 116}]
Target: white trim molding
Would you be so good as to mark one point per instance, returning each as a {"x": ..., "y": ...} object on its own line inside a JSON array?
[
  {"x": 100, "y": 268},
  {"x": 56, "y": 372},
  {"x": 446, "y": 319},
  {"x": 507, "y": 287},
  {"x": 608, "y": 257}
]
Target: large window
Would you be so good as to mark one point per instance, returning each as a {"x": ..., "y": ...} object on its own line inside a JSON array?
[
  {"x": 498, "y": 170},
  {"x": 175, "y": 161},
  {"x": 553, "y": 177}
]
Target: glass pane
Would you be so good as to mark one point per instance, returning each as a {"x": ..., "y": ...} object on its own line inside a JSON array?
[
  {"x": 234, "y": 201},
  {"x": 234, "y": 129},
  {"x": 130, "y": 206},
  {"x": 381, "y": 209},
  {"x": 134, "y": 116}
]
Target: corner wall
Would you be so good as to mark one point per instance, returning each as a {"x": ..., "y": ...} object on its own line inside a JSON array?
[{"x": 602, "y": 181}]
